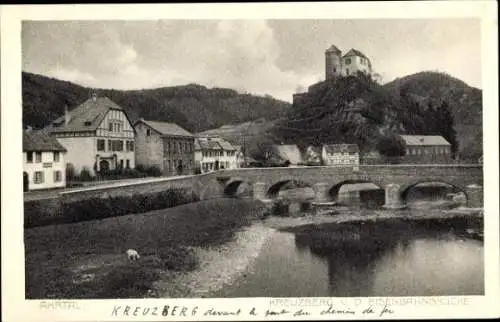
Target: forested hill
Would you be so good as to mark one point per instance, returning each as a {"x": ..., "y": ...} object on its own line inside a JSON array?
[
  {"x": 194, "y": 107},
  {"x": 358, "y": 110},
  {"x": 464, "y": 101}
]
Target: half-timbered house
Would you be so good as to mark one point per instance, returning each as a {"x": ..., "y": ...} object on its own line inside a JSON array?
[{"x": 97, "y": 135}]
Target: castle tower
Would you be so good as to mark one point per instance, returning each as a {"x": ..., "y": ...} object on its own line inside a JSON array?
[{"x": 333, "y": 62}]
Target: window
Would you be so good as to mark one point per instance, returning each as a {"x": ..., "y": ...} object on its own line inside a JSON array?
[
  {"x": 347, "y": 71},
  {"x": 39, "y": 177},
  {"x": 128, "y": 164},
  {"x": 131, "y": 146},
  {"x": 57, "y": 176},
  {"x": 148, "y": 132},
  {"x": 38, "y": 157},
  {"x": 119, "y": 146},
  {"x": 334, "y": 70},
  {"x": 56, "y": 156},
  {"x": 101, "y": 145},
  {"x": 110, "y": 127},
  {"x": 115, "y": 145},
  {"x": 29, "y": 157},
  {"x": 121, "y": 164},
  {"x": 348, "y": 61}
]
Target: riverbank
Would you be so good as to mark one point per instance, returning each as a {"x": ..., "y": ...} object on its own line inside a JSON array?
[
  {"x": 192, "y": 250},
  {"x": 87, "y": 259},
  {"x": 346, "y": 215}
]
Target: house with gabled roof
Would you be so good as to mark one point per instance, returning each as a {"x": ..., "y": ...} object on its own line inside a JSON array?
[
  {"x": 426, "y": 149},
  {"x": 97, "y": 135},
  {"x": 214, "y": 153},
  {"x": 164, "y": 145},
  {"x": 44, "y": 165}
]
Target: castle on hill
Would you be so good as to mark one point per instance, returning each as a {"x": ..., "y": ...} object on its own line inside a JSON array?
[
  {"x": 338, "y": 65},
  {"x": 351, "y": 63}
]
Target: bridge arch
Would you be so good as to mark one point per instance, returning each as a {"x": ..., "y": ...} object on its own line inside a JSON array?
[
  {"x": 334, "y": 190},
  {"x": 274, "y": 189},
  {"x": 406, "y": 189},
  {"x": 232, "y": 187}
]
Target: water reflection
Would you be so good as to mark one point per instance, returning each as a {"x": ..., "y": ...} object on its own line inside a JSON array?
[{"x": 389, "y": 258}]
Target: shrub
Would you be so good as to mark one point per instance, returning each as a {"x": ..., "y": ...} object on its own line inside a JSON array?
[
  {"x": 85, "y": 175},
  {"x": 45, "y": 212},
  {"x": 41, "y": 212},
  {"x": 140, "y": 168},
  {"x": 154, "y": 171}
]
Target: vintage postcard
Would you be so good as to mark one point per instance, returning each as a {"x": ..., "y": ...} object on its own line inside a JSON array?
[{"x": 272, "y": 161}]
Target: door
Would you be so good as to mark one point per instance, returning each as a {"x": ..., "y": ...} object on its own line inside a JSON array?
[
  {"x": 25, "y": 182},
  {"x": 104, "y": 165},
  {"x": 179, "y": 167}
]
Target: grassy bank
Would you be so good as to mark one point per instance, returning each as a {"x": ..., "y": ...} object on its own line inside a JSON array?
[{"x": 87, "y": 259}]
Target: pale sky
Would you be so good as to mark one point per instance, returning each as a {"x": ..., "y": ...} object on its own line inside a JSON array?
[{"x": 272, "y": 57}]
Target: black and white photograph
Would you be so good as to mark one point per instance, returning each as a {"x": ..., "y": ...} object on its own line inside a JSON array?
[{"x": 189, "y": 158}]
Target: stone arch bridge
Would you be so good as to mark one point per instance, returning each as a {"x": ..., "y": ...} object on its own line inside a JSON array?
[{"x": 394, "y": 179}]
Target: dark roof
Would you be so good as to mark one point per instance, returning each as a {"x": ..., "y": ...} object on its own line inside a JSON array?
[
  {"x": 85, "y": 117},
  {"x": 355, "y": 52},
  {"x": 166, "y": 129},
  {"x": 341, "y": 148},
  {"x": 39, "y": 141},
  {"x": 334, "y": 49},
  {"x": 424, "y": 140}
]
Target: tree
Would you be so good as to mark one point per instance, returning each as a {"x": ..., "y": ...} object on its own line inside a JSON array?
[
  {"x": 260, "y": 147},
  {"x": 444, "y": 120},
  {"x": 391, "y": 146}
]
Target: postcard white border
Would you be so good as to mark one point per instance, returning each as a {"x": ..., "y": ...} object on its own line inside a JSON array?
[{"x": 16, "y": 308}]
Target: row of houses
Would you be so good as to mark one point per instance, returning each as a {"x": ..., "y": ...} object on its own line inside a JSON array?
[
  {"x": 98, "y": 136},
  {"x": 419, "y": 149}
]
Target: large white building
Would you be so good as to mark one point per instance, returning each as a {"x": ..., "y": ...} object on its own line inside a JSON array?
[
  {"x": 353, "y": 61},
  {"x": 98, "y": 136},
  {"x": 214, "y": 153},
  {"x": 340, "y": 154},
  {"x": 43, "y": 162}
]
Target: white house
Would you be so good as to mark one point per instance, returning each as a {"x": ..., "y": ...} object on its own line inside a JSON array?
[
  {"x": 214, "y": 153},
  {"x": 97, "y": 134},
  {"x": 340, "y": 154},
  {"x": 43, "y": 162}
]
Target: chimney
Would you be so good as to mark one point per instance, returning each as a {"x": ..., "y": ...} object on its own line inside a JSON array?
[{"x": 66, "y": 115}]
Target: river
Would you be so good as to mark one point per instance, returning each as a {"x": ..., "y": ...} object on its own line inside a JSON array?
[{"x": 390, "y": 257}]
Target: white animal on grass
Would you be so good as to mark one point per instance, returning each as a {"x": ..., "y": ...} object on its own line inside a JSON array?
[{"x": 132, "y": 255}]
